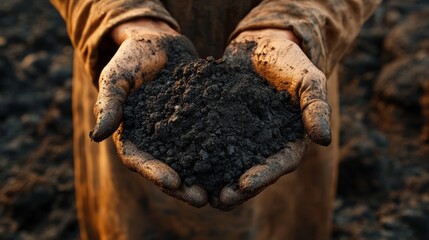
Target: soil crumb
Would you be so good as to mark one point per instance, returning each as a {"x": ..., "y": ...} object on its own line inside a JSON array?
[{"x": 210, "y": 120}]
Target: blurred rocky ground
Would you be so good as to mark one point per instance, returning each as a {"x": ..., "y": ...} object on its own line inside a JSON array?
[
  {"x": 36, "y": 167},
  {"x": 383, "y": 187}
]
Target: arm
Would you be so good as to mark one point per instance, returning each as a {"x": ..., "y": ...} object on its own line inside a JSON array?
[
  {"x": 89, "y": 23},
  {"x": 124, "y": 43},
  {"x": 326, "y": 27}
]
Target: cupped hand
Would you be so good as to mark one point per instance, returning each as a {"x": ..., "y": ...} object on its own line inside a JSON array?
[
  {"x": 162, "y": 175},
  {"x": 276, "y": 56},
  {"x": 142, "y": 54}
]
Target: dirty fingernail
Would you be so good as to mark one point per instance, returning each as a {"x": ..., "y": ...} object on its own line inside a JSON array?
[
  {"x": 93, "y": 134},
  {"x": 319, "y": 132},
  {"x": 107, "y": 123}
]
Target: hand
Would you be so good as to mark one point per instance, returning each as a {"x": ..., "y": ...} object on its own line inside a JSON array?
[
  {"x": 157, "y": 172},
  {"x": 277, "y": 57},
  {"x": 141, "y": 55}
]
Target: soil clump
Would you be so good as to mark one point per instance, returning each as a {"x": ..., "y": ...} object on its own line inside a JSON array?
[{"x": 210, "y": 120}]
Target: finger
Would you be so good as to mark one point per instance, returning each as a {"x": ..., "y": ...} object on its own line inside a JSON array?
[
  {"x": 230, "y": 198},
  {"x": 113, "y": 91},
  {"x": 316, "y": 112},
  {"x": 146, "y": 165},
  {"x": 135, "y": 61},
  {"x": 287, "y": 160},
  {"x": 194, "y": 195},
  {"x": 259, "y": 177},
  {"x": 316, "y": 119}
]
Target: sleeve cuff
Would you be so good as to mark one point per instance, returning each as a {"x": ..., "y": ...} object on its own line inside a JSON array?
[
  {"x": 97, "y": 50},
  {"x": 325, "y": 28}
]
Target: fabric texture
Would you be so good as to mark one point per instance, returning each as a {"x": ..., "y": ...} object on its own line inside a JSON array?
[
  {"x": 88, "y": 22},
  {"x": 326, "y": 27}
]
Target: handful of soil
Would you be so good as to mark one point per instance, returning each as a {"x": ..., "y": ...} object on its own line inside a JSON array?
[{"x": 210, "y": 121}]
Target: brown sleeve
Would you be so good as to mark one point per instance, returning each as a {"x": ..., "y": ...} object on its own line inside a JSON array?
[
  {"x": 326, "y": 27},
  {"x": 88, "y": 21}
]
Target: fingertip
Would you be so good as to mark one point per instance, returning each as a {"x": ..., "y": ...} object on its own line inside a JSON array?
[
  {"x": 319, "y": 132},
  {"x": 197, "y": 196},
  {"x": 194, "y": 195},
  {"x": 93, "y": 134},
  {"x": 170, "y": 181},
  {"x": 227, "y": 197},
  {"x": 230, "y": 198},
  {"x": 102, "y": 131},
  {"x": 108, "y": 121},
  {"x": 159, "y": 173},
  {"x": 325, "y": 139},
  {"x": 283, "y": 162},
  {"x": 256, "y": 178},
  {"x": 316, "y": 119}
]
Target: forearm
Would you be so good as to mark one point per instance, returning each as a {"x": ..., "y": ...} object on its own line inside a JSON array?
[
  {"x": 89, "y": 22},
  {"x": 140, "y": 26},
  {"x": 326, "y": 27},
  {"x": 276, "y": 32}
]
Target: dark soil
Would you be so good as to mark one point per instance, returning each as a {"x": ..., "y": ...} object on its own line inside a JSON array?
[{"x": 211, "y": 120}]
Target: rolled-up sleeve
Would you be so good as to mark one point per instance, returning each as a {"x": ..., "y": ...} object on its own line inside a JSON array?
[
  {"x": 325, "y": 27},
  {"x": 88, "y": 21}
]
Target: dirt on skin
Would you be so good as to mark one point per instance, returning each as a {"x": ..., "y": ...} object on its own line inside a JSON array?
[{"x": 210, "y": 120}]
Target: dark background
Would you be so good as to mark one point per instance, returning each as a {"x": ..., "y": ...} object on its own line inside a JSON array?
[{"x": 383, "y": 188}]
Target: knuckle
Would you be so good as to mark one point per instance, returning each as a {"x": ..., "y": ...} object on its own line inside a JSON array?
[
  {"x": 314, "y": 85},
  {"x": 129, "y": 43},
  {"x": 108, "y": 75},
  {"x": 314, "y": 75}
]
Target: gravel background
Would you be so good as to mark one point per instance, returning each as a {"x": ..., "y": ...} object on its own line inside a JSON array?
[{"x": 383, "y": 189}]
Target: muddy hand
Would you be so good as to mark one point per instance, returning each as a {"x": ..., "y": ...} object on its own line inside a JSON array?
[
  {"x": 157, "y": 172},
  {"x": 276, "y": 56},
  {"x": 140, "y": 57}
]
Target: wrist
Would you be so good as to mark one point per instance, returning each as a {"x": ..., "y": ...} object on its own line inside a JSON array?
[
  {"x": 271, "y": 33},
  {"x": 140, "y": 26}
]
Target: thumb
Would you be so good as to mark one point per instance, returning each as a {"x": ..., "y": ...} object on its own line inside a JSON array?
[
  {"x": 287, "y": 68},
  {"x": 135, "y": 61},
  {"x": 109, "y": 106},
  {"x": 316, "y": 112}
]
